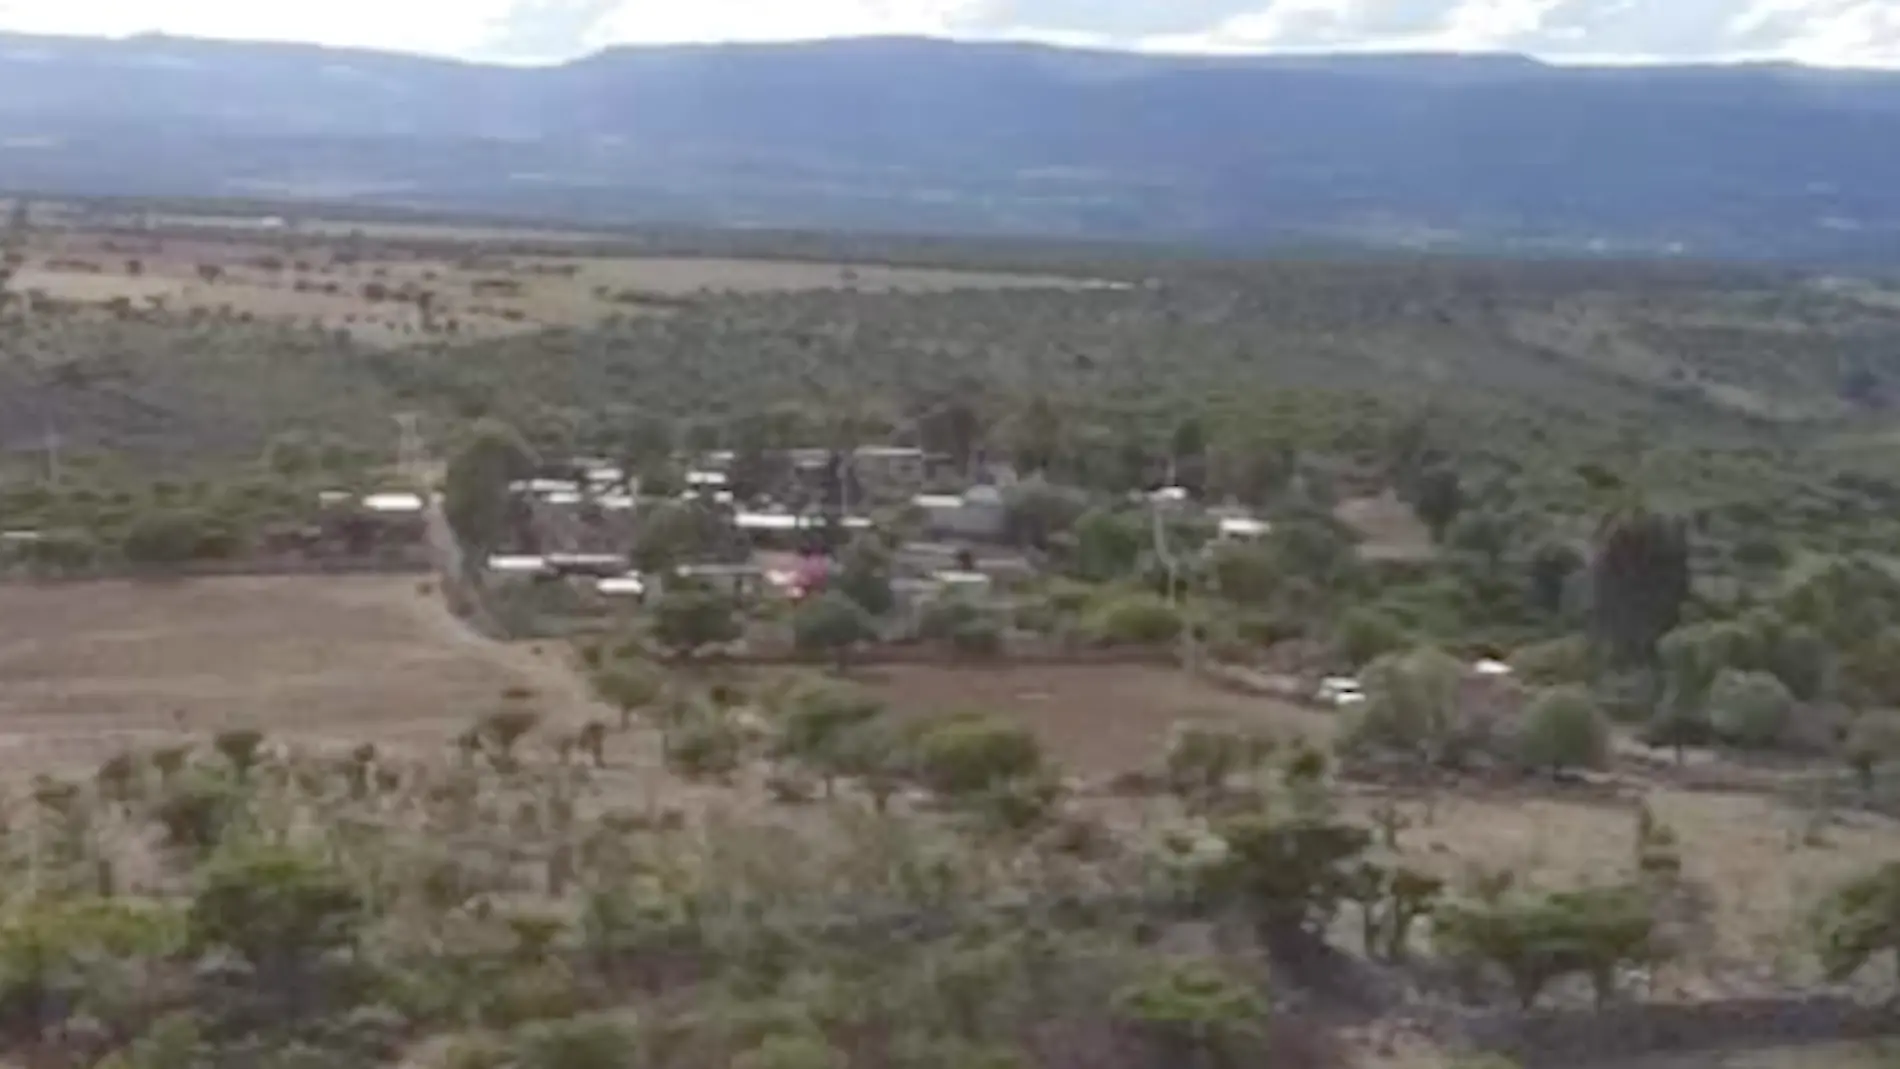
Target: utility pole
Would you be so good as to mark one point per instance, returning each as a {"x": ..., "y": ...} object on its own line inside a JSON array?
[
  {"x": 51, "y": 443},
  {"x": 410, "y": 459}
]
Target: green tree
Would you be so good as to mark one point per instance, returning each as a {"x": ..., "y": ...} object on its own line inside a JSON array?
[
  {"x": 176, "y": 536},
  {"x": 1193, "y": 1015},
  {"x": 627, "y": 687},
  {"x": 1438, "y": 497},
  {"x": 822, "y": 730},
  {"x": 1563, "y": 728},
  {"x": 865, "y": 577},
  {"x": 1749, "y": 709},
  {"x": 1035, "y": 513},
  {"x": 1639, "y": 582},
  {"x": 676, "y": 533},
  {"x": 1536, "y": 939},
  {"x": 967, "y": 755},
  {"x": 688, "y": 619},
  {"x": 1107, "y": 545},
  {"x": 592, "y": 1042},
  {"x": 1133, "y": 620},
  {"x": 1692, "y": 659},
  {"x": 1552, "y": 566},
  {"x": 1317, "y": 548},
  {"x": 1411, "y": 704},
  {"x": 832, "y": 624},
  {"x": 1245, "y": 573},
  {"x": 1859, "y": 922},
  {"x": 475, "y": 496},
  {"x": 239, "y": 747},
  {"x": 276, "y": 907},
  {"x": 1366, "y": 634}
]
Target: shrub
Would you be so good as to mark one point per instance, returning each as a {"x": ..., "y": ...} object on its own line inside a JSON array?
[
  {"x": 1554, "y": 663},
  {"x": 1193, "y": 1014},
  {"x": 832, "y": 624},
  {"x": 176, "y": 536},
  {"x": 1563, "y": 728},
  {"x": 1411, "y": 703},
  {"x": 1201, "y": 758},
  {"x": 967, "y": 755},
  {"x": 708, "y": 745},
  {"x": 1133, "y": 620},
  {"x": 595, "y": 1042},
  {"x": 1366, "y": 634},
  {"x": 1537, "y": 939},
  {"x": 1749, "y": 709}
]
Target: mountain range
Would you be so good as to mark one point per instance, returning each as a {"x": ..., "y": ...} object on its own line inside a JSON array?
[{"x": 1421, "y": 151}]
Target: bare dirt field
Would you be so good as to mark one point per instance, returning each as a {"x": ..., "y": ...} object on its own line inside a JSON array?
[
  {"x": 89, "y": 669},
  {"x": 1390, "y": 529},
  {"x": 1094, "y": 718},
  {"x": 1766, "y": 865},
  {"x": 315, "y": 278}
]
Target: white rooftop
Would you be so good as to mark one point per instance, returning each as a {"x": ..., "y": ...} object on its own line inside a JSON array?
[
  {"x": 1244, "y": 527},
  {"x": 622, "y": 585},
  {"x": 518, "y": 565},
  {"x": 937, "y": 501},
  {"x": 393, "y": 502}
]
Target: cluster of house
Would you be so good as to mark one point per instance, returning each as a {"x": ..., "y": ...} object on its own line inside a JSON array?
[{"x": 580, "y": 522}]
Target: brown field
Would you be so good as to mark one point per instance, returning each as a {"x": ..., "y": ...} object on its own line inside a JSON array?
[
  {"x": 89, "y": 669},
  {"x": 1390, "y": 529},
  {"x": 1765, "y": 864},
  {"x": 1095, "y": 718},
  {"x": 312, "y": 277},
  {"x": 1857, "y": 1055}
]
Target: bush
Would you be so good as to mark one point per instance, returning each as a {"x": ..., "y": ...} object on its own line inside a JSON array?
[
  {"x": 1411, "y": 704},
  {"x": 1133, "y": 620},
  {"x": 1555, "y": 663},
  {"x": 832, "y": 624},
  {"x": 968, "y": 755},
  {"x": 1366, "y": 634},
  {"x": 708, "y": 746},
  {"x": 1563, "y": 728},
  {"x": 1193, "y": 1014},
  {"x": 177, "y": 536},
  {"x": 1749, "y": 709},
  {"x": 597, "y": 1042}
]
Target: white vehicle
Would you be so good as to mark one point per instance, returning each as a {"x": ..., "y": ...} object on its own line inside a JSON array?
[{"x": 1341, "y": 691}]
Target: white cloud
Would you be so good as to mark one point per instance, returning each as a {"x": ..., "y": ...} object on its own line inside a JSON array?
[
  {"x": 441, "y": 27},
  {"x": 1824, "y": 32},
  {"x": 1863, "y": 33},
  {"x": 669, "y": 21}
]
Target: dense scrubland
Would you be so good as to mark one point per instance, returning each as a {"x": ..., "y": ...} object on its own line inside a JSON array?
[{"x": 1664, "y": 494}]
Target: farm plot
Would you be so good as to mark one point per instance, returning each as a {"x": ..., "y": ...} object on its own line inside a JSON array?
[
  {"x": 1094, "y": 718},
  {"x": 403, "y": 296},
  {"x": 87, "y": 670}
]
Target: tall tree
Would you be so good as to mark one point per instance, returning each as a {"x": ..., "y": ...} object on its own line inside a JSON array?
[
  {"x": 1639, "y": 582},
  {"x": 475, "y": 494}
]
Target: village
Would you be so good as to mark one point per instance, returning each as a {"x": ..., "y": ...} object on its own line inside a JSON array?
[{"x": 776, "y": 528}]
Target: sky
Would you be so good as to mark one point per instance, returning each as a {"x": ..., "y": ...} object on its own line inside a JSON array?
[{"x": 1839, "y": 33}]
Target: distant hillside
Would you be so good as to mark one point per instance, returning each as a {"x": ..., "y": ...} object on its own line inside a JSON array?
[{"x": 1444, "y": 152}]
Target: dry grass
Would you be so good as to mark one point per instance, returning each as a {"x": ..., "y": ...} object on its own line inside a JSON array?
[
  {"x": 87, "y": 669},
  {"x": 1764, "y": 864},
  {"x": 315, "y": 282},
  {"x": 1096, "y": 718},
  {"x": 1390, "y": 529},
  {"x": 1859, "y": 1055}
]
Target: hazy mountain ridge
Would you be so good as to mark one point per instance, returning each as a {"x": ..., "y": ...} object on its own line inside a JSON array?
[{"x": 1765, "y": 160}]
